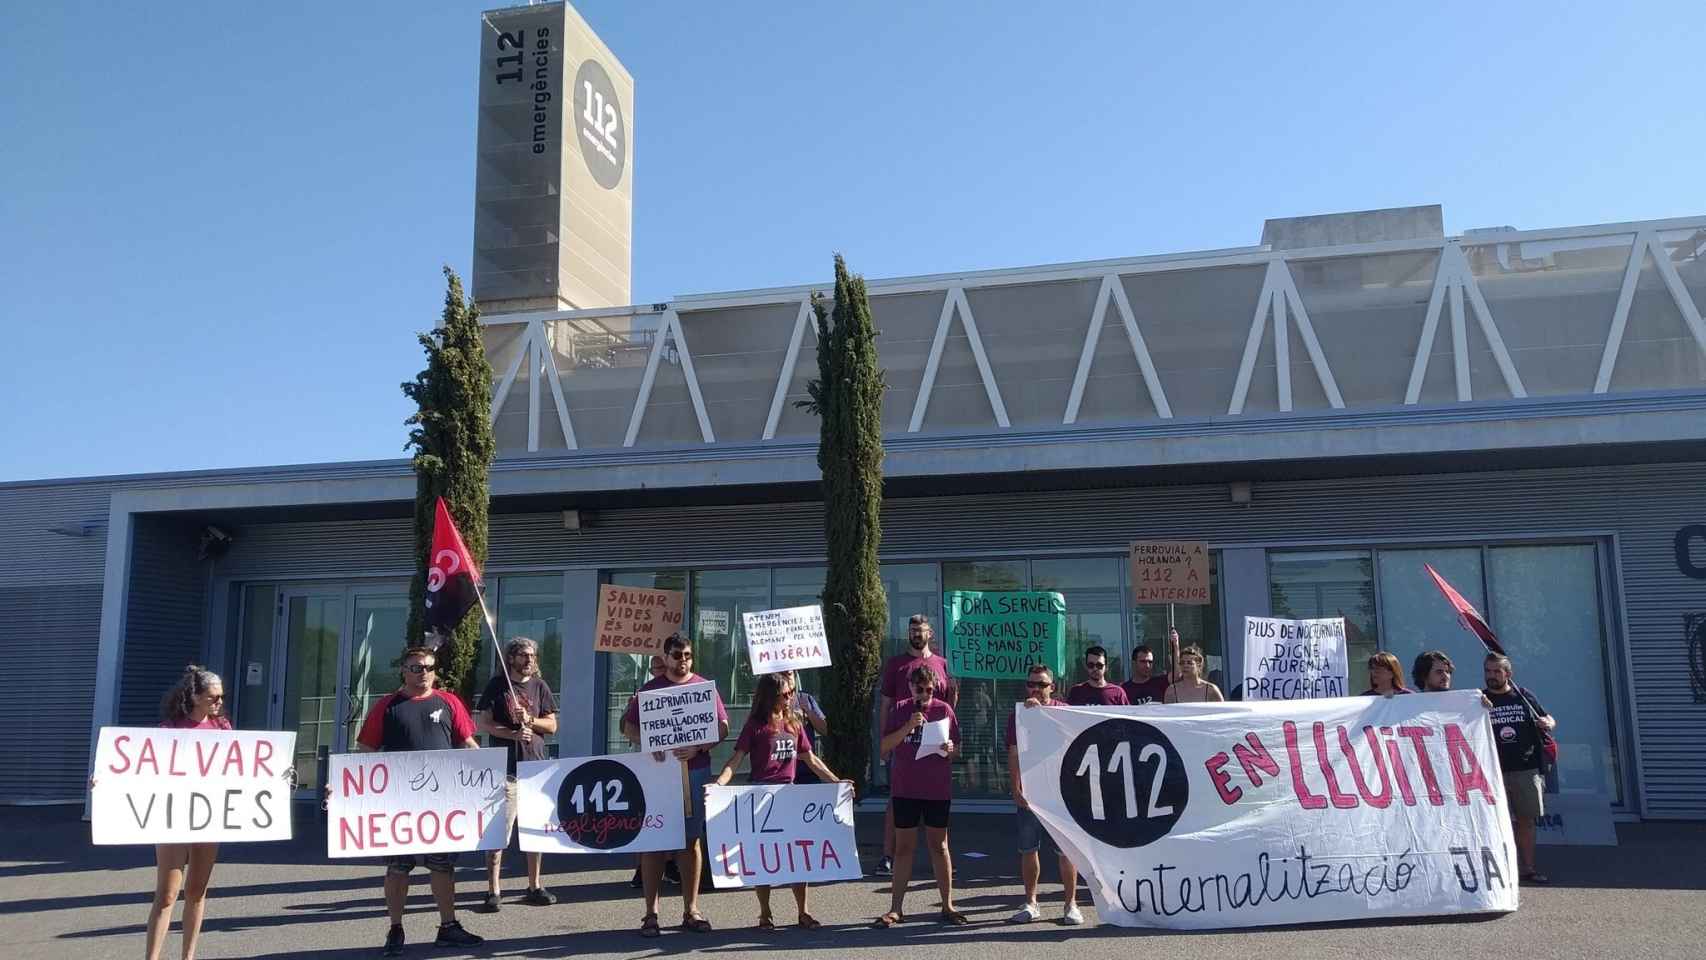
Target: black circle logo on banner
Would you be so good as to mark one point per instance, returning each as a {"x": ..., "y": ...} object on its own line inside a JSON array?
[
  {"x": 1123, "y": 783},
  {"x": 599, "y": 126},
  {"x": 601, "y": 805}
]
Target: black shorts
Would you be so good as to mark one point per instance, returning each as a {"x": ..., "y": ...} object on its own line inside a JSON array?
[{"x": 909, "y": 811}]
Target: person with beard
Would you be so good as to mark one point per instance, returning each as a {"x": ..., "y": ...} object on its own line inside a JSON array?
[
  {"x": 1522, "y": 727},
  {"x": 671, "y": 873},
  {"x": 923, "y": 791},
  {"x": 1096, "y": 691},
  {"x": 519, "y": 712},
  {"x": 893, "y": 687},
  {"x": 1039, "y": 692},
  {"x": 1145, "y": 685}
]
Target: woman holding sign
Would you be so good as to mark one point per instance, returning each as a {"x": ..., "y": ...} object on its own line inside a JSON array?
[
  {"x": 197, "y": 702},
  {"x": 776, "y": 740},
  {"x": 923, "y": 735}
]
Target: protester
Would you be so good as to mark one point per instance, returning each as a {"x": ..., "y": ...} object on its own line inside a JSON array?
[
  {"x": 195, "y": 702},
  {"x": 1039, "y": 692},
  {"x": 893, "y": 688},
  {"x": 1521, "y": 726},
  {"x": 775, "y": 738},
  {"x": 671, "y": 874},
  {"x": 921, "y": 790},
  {"x": 417, "y": 717},
  {"x": 813, "y": 721},
  {"x": 678, "y": 657},
  {"x": 1145, "y": 685},
  {"x": 520, "y": 711},
  {"x": 1096, "y": 691},
  {"x": 1383, "y": 676},
  {"x": 1432, "y": 671},
  {"x": 1191, "y": 687}
]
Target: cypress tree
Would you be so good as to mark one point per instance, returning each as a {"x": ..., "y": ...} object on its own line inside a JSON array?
[
  {"x": 451, "y": 436},
  {"x": 847, "y": 397}
]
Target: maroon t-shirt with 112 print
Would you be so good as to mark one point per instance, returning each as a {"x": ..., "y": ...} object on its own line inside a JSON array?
[
  {"x": 772, "y": 752},
  {"x": 915, "y": 777}
]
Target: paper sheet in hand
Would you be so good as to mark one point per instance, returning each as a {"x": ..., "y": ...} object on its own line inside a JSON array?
[{"x": 933, "y": 738}]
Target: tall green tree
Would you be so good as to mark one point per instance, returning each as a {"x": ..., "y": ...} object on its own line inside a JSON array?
[
  {"x": 847, "y": 397},
  {"x": 451, "y": 436}
]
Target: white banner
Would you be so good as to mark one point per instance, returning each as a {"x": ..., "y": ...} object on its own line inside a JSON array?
[
  {"x": 787, "y": 639},
  {"x": 628, "y": 803},
  {"x": 680, "y": 716},
  {"x": 1248, "y": 814},
  {"x": 417, "y": 801},
  {"x": 158, "y": 785},
  {"x": 777, "y": 834},
  {"x": 1295, "y": 659}
]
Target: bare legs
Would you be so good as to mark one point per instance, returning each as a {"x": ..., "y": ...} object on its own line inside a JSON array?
[
  {"x": 494, "y": 871},
  {"x": 799, "y": 900},
  {"x": 443, "y": 894},
  {"x": 186, "y": 867},
  {"x": 651, "y": 877},
  {"x": 1031, "y": 870},
  {"x": 905, "y": 845}
]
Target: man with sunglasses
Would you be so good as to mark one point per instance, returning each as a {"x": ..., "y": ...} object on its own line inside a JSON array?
[
  {"x": 678, "y": 669},
  {"x": 1096, "y": 691},
  {"x": 1039, "y": 692},
  {"x": 893, "y": 687},
  {"x": 518, "y": 711},
  {"x": 418, "y": 717}
]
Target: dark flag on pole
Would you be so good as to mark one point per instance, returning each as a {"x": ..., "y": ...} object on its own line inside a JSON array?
[
  {"x": 1466, "y": 613},
  {"x": 453, "y": 582}
]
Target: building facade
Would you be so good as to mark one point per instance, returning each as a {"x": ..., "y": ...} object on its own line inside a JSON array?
[{"x": 1355, "y": 396}]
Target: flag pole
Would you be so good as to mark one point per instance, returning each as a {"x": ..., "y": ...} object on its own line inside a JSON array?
[{"x": 492, "y": 627}]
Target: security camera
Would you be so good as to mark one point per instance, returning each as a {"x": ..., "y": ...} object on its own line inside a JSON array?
[{"x": 214, "y": 541}]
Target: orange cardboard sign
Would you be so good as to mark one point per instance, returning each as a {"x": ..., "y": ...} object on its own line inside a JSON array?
[
  {"x": 1169, "y": 571},
  {"x": 635, "y": 619}
]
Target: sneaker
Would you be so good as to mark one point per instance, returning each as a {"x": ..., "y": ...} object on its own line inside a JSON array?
[
  {"x": 1029, "y": 913},
  {"x": 885, "y": 867},
  {"x": 1072, "y": 917},
  {"x": 637, "y": 882},
  {"x": 671, "y": 873},
  {"x": 538, "y": 897},
  {"x": 394, "y": 941},
  {"x": 452, "y": 935},
  {"x": 489, "y": 905}
]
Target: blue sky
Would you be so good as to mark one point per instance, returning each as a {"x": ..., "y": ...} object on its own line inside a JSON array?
[{"x": 221, "y": 224}]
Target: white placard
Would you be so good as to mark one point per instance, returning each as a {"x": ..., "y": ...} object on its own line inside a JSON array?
[
  {"x": 417, "y": 801},
  {"x": 684, "y": 715},
  {"x": 933, "y": 738},
  {"x": 1295, "y": 659},
  {"x": 713, "y": 624},
  {"x": 158, "y": 785},
  {"x": 787, "y": 639},
  {"x": 1280, "y": 812},
  {"x": 627, "y": 803},
  {"x": 773, "y": 834}
]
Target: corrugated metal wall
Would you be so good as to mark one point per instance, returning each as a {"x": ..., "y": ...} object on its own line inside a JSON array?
[
  {"x": 1643, "y": 505},
  {"x": 166, "y": 618},
  {"x": 48, "y": 636}
]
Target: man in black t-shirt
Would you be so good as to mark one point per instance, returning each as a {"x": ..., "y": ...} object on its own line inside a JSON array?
[
  {"x": 519, "y": 713},
  {"x": 1520, "y": 728}
]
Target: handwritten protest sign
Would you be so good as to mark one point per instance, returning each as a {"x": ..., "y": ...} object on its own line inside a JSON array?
[
  {"x": 627, "y": 803},
  {"x": 1282, "y": 812},
  {"x": 635, "y": 619},
  {"x": 1295, "y": 659},
  {"x": 422, "y": 801},
  {"x": 999, "y": 634},
  {"x": 1169, "y": 571},
  {"x": 781, "y": 833},
  {"x": 155, "y": 785},
  {"x": 787, "y": 639},
  {"x": 684, "y": 715}
]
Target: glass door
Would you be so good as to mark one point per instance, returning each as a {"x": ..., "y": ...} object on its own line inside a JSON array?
[
  {"x": 308, "y": 659},
  {"x": 379, "y": 621}
]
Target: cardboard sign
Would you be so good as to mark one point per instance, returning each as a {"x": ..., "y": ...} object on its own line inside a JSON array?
[
  {"x": 772, "y": 834},
  {"x": 1295, "y": 659},
  {"x": 1169, "y": 571},
  {"x": 635, "y": 619},
  {"x": 627, "y": 803},
  {"x": 417, "y": 801},
  {"x": 155, "y": 785},
  {"x": 1000, "y": 634},
  {"x": 787, "y": 639},
  {"x": 679, "y": 716},
  {"x": 1248, "y": 814}
]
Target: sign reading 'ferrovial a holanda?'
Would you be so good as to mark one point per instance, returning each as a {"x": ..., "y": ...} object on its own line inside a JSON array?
[
  {"x": 627, "y": 803},
  {"x": 1283, "y": 812},
  {"x": 772, "y": 834},
  {"x": 154, "y": 785},
  {"x": 415, "y": 802},
  {"x": 1169, "y": 571}
]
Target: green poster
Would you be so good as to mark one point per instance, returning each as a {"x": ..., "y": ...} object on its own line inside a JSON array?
[{"x": 999, "y": 634}]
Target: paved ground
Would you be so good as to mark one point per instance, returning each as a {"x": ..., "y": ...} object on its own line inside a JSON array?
[{"x": 62, "y": 898}]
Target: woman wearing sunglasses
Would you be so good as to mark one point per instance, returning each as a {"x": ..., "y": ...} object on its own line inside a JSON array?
[
  {"x": 922, "y": 785},
  {"x": 196, "y": 702}
]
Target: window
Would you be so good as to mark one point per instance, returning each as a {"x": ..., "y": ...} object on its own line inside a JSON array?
[
  {"x": 532, "y": 607},
  {"x": 718, "y": 599},
  {"x": 1416, "y": 616},
  {"x": 626, "y": 672},
  {"x": 981, "y": 768},
  {"x": 1312, "y": 585}
]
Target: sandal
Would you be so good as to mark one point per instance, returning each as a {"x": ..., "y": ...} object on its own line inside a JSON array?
[
  {"x": 809, "y": 922},
  {"x": 954, "y": 918},
  {"x": 694, "y": 923},
  {"x": 649, "y": 926},
  {"x": 766, "y": 922},
  {"x": 888, "y": 919},
  {"x": 1535, "y": 877}
]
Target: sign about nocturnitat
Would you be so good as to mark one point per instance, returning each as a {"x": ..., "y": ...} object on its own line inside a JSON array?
[
  {"x": 1169, "y": 571},
  {"x": 636, "y": 619}
]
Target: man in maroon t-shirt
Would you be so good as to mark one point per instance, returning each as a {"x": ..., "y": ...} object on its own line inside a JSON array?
[
  {"x": 1096, "y": 691},
  {"x": 417, "y": 717},
  {"x": 1039, "y": 692},
  {"x": 678, "y": 656},
  {"x": 1145, "y": 686},
  {"x": 893, "y": 688},
  {"x": 518, "y": 711}
]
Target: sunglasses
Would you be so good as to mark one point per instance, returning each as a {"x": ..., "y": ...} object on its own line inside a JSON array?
[
  {"x": 1037, "y": 684},
  {"x": 922, "y": 690},
  {"x": 420, "y": 668},
  {"x": 1095, "y": 664},
  {"x": 216, "y": 698},
  {"x": 681, "y": 655}
]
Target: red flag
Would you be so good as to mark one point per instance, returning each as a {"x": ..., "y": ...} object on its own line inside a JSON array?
[
  {"x": 452, "y": 577},
  {"x": 1466, "y": 613}
]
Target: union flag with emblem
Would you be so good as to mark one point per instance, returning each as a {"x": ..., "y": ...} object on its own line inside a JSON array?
[{"x": 453, "y": 580}]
